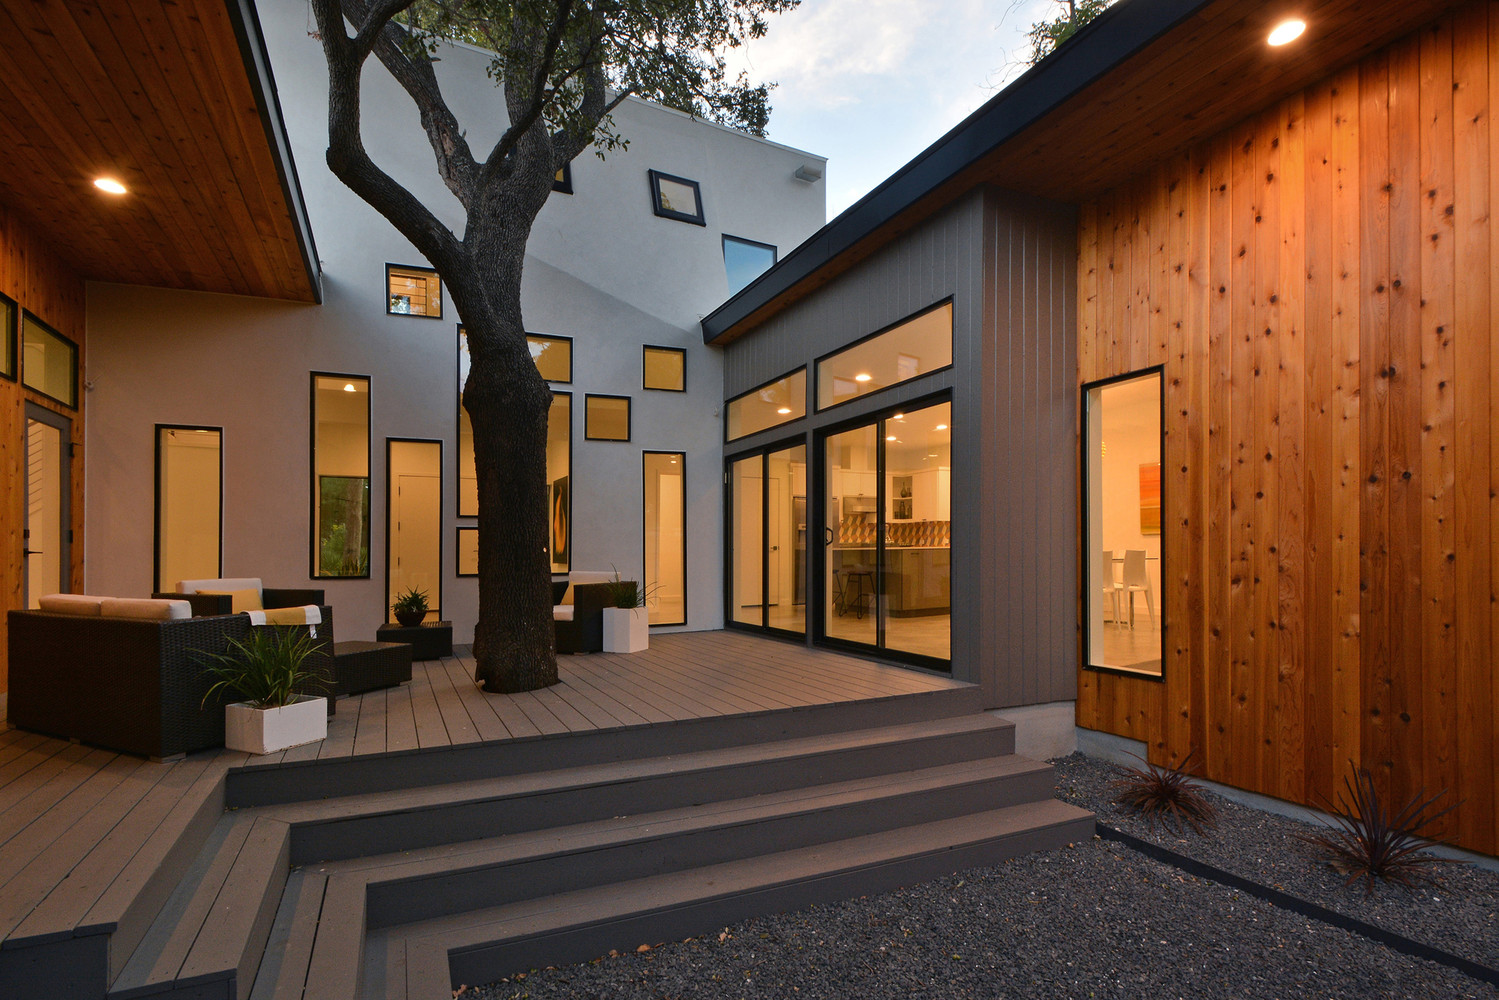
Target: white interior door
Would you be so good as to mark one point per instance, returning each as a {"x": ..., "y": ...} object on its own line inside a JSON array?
[{"x": 416, "y": 535}]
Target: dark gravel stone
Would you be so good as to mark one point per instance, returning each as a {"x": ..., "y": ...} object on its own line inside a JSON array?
[{"x": 1095, "y": 920}]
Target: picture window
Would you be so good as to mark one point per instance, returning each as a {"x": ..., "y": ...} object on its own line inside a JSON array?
[
  {"x": 676, "y": 198},
  {"x": 412, "y": 291},
  {"x": 49, "y": 361},
  {"x": 770, "y": 405},
  {"x": 606, "y": 418},
  {"x": 664, "y": 368}
]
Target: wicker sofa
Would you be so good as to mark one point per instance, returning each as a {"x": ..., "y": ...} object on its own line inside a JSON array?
[
  {"x": 223, "y": 603},
  {"x": 578, "y": 605},
  {"x": 130, "y": 684}
]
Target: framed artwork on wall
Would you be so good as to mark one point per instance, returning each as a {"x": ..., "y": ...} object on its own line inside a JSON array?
[{"x": 561, "y": 515}]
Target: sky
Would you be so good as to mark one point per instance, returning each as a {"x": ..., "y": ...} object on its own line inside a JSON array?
[{"x": 871, "y": 83}]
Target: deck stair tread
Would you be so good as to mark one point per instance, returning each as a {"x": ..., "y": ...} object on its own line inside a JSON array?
[{"x": 424, "y": 947}]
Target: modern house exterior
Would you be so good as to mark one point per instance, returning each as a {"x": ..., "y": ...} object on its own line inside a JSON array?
[{"x": 1221, "y": 388}]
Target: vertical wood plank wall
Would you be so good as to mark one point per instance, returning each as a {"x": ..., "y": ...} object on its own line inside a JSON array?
[
  {"x": 1320, "y": 283},
  {"x": 41, "y": 283}
]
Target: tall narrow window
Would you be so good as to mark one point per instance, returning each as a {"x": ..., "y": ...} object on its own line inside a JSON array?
[
  {"x": 1122, "y": 546},
  {"x": 914, "y": 347},
  {"x": 412, "y": 291},
  {"x": 769, "y": 535},
  {"x": 189, "y": 507},
  {"x": 554, "y": 359},
  {"x": 560, "y": 478},
  {"x": 745, "y": 260},
  {"x": 49, "y": 361},
  {"x": 665, "y": 537},
  {"x": 341, "y": 475},
  {"x": 413, "y": 550},
  {"x": 8, "y": 334}
]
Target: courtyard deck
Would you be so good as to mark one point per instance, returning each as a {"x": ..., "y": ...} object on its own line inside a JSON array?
[{"x": 83, "y": 831}]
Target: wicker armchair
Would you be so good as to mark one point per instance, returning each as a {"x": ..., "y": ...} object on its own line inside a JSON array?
[
  {"x": 584, "y": 633},
  {"x": 131, "y": 685}
]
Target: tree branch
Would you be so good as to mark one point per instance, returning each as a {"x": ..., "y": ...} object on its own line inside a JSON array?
[
  {"x": 524, "y": 115},
  {"x": 376, "y": 17}
]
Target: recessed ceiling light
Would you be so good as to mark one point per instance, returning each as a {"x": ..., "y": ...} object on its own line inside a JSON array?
[
  {"x": 942, "y": 427},
  {"x": 109, "y": 184},
  {"x": 348, "y": 387},
  {"x": 863, "y": 377},
  {"x": 1287, "y": 31},
  {"x": 900, "y": 416},
  {"x": 890, "y": 437},
  {"x": 784, "y": 410}
]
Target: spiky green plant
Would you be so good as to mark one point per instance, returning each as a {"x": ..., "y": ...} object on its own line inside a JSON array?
[
  {"x": 1367, "y": 842},
  {"x": 1166, "y": 795},
  {"x": 268, "y": 670}
]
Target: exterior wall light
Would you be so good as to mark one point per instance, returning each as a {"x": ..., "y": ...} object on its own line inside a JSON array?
[
  {"x": 1287, "y": 31},
  {"x": 109, "y": 184}
]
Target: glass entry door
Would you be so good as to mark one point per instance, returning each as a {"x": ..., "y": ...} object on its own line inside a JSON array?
[
  {"x": 887, "y": 537},
  {"x": 768, "y": 540},
  {"x": 47, "y": 536}
]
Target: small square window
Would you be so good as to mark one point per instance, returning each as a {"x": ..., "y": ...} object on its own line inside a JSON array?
[
  {"x": 412, "y": 291},
  {"x": 49, "y": 361},
  {"x": 745, "y": 260},
  {"x": 665, "y": 368},
  {"x": 563, "y": 182},
  {"x": 606, "y": 418},
  {"x": 553, "y": 356},
  {"x": 676, "y": 198}
]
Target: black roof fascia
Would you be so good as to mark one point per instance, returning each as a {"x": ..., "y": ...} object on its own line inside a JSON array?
[
  {"x": 246, "y": 21},
  {"x": 1108, "y": 40}
]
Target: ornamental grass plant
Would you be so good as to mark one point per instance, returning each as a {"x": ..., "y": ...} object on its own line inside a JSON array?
[
  {"x": 1166, "y": 795},
  {"x": 267, "y": 670}
]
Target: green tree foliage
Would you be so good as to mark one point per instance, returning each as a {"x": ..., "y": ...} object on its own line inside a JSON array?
[{"x": 1046, "y": 36}]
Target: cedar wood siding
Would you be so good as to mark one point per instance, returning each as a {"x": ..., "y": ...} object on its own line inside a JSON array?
[
  {"x": 40, "y": 283},
  {"x": 1319, "y": 282},
  {"x": 1007, "y": 263}
]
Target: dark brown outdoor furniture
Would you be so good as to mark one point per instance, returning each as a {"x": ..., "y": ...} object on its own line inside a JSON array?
[
  {"x": 584, "y": 631},
  {"x": 428, "y": 641},
  {"x": 270, "y": 597},
  {"x": 366, "y": 666},
  {"x": 128, "y": 684}
]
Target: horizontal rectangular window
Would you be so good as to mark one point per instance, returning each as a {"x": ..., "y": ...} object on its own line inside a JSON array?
[
  {"x": 774, "y": 403},
  {"x": 665, "y": 368},
  {"x": 8, "y": 333},
  {"x": 745, "y": 260},
  {"x": 914, "y": 347},
  {"x": 553, "y": 356},
  {"x": 49, "y": 361},
  {"x": 413, "y": 291},
  {"x": 676, "y": 198}
]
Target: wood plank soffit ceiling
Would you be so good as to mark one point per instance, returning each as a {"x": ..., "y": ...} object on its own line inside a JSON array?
[{"x": 176, "y": 102}]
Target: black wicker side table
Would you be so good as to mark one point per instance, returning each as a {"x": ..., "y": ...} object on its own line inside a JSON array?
[
  {"x": 429, "y": 640},
  {"x": 365, "y": 666}
]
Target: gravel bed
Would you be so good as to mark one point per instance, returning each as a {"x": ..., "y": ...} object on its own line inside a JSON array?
[
  {"x": 1095, "y": 920},
  {"x": 1461, "y": 917}
]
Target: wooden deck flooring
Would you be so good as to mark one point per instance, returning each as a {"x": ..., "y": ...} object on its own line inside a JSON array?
[{"x": 79, "y": 827}]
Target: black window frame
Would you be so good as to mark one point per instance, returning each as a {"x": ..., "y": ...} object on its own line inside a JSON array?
[
  {"x": 413, "y": 267},
  {"x": 25, "y": 315},
  {"x": 655, "y": 178},
  {"x": 564, "y": 184},
  {"x": 763, "y": 453},
  {"x": 686, "y": 589},
  {"x": 806, "y": 388},
  {"x": 11, "y": 369},
  {"x": 458, "y": 551},
  {"x": 681, "y": 352},
  {"x": 315, "y": 572},
  {"x": 775, "y": 257},
  {"x": 559, "y": 338},
  {"x": 1089, "y": 569},
  {"x": 629, "y": 418},
  {"x": 815, "y": 381},
  {"x": 162, "y": 586}
]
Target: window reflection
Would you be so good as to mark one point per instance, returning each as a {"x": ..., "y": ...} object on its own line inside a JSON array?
[
  {"x": 920, "y": 345},
  {"x": 771, "y": 405}
]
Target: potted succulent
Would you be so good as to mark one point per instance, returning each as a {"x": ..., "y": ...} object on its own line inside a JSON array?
[
  {"x": 627, "y": 623},
  {"x": 268, "y": 672},
  {"x": 410, "y": 608}
]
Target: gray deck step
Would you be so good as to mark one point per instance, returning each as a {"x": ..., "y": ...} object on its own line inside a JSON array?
[
  {"x": 428, "y": 958},
  {"x": 255, "y": 785},
  {"x": 209, "y": 936},
  {"x": 411, "y": 819}
]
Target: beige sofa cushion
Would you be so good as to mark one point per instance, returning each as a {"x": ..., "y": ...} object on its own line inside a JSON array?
[
  {"x": 563, "y": 612},
  {"x": 227, "y": 584},
  {"x": 145, "y": 607},
  {"x": 71, "y": 604}
]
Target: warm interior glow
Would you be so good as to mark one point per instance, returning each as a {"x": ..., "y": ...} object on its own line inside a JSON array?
[
  {"x": 784, "y": 410},
  {"x": 109, "y": 184},
  {"x": 1287, "y": 31},
  {"x": 348, "y": 387},
  {"x": 890, "y": 437},
  {"x": 862, "y": 377},
  {"x": 942, "y": 427}
]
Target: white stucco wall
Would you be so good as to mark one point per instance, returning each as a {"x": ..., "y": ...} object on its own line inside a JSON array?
[{"x": 601, "y": 269}]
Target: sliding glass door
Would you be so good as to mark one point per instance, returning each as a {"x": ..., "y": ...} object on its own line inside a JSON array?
[
  {"x": 768, "y": 539},
  {"x": 887, "y": 535}
]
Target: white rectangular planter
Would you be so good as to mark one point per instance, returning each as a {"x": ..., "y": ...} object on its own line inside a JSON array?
[
  {"x": 266, "y": 730},
  {"x": 626, "y": 630}
]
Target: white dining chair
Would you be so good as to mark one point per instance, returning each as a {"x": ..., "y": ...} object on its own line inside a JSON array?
[
  {"x": 1111, "y": 587},
  {"x": 1136, "y": 581}
]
